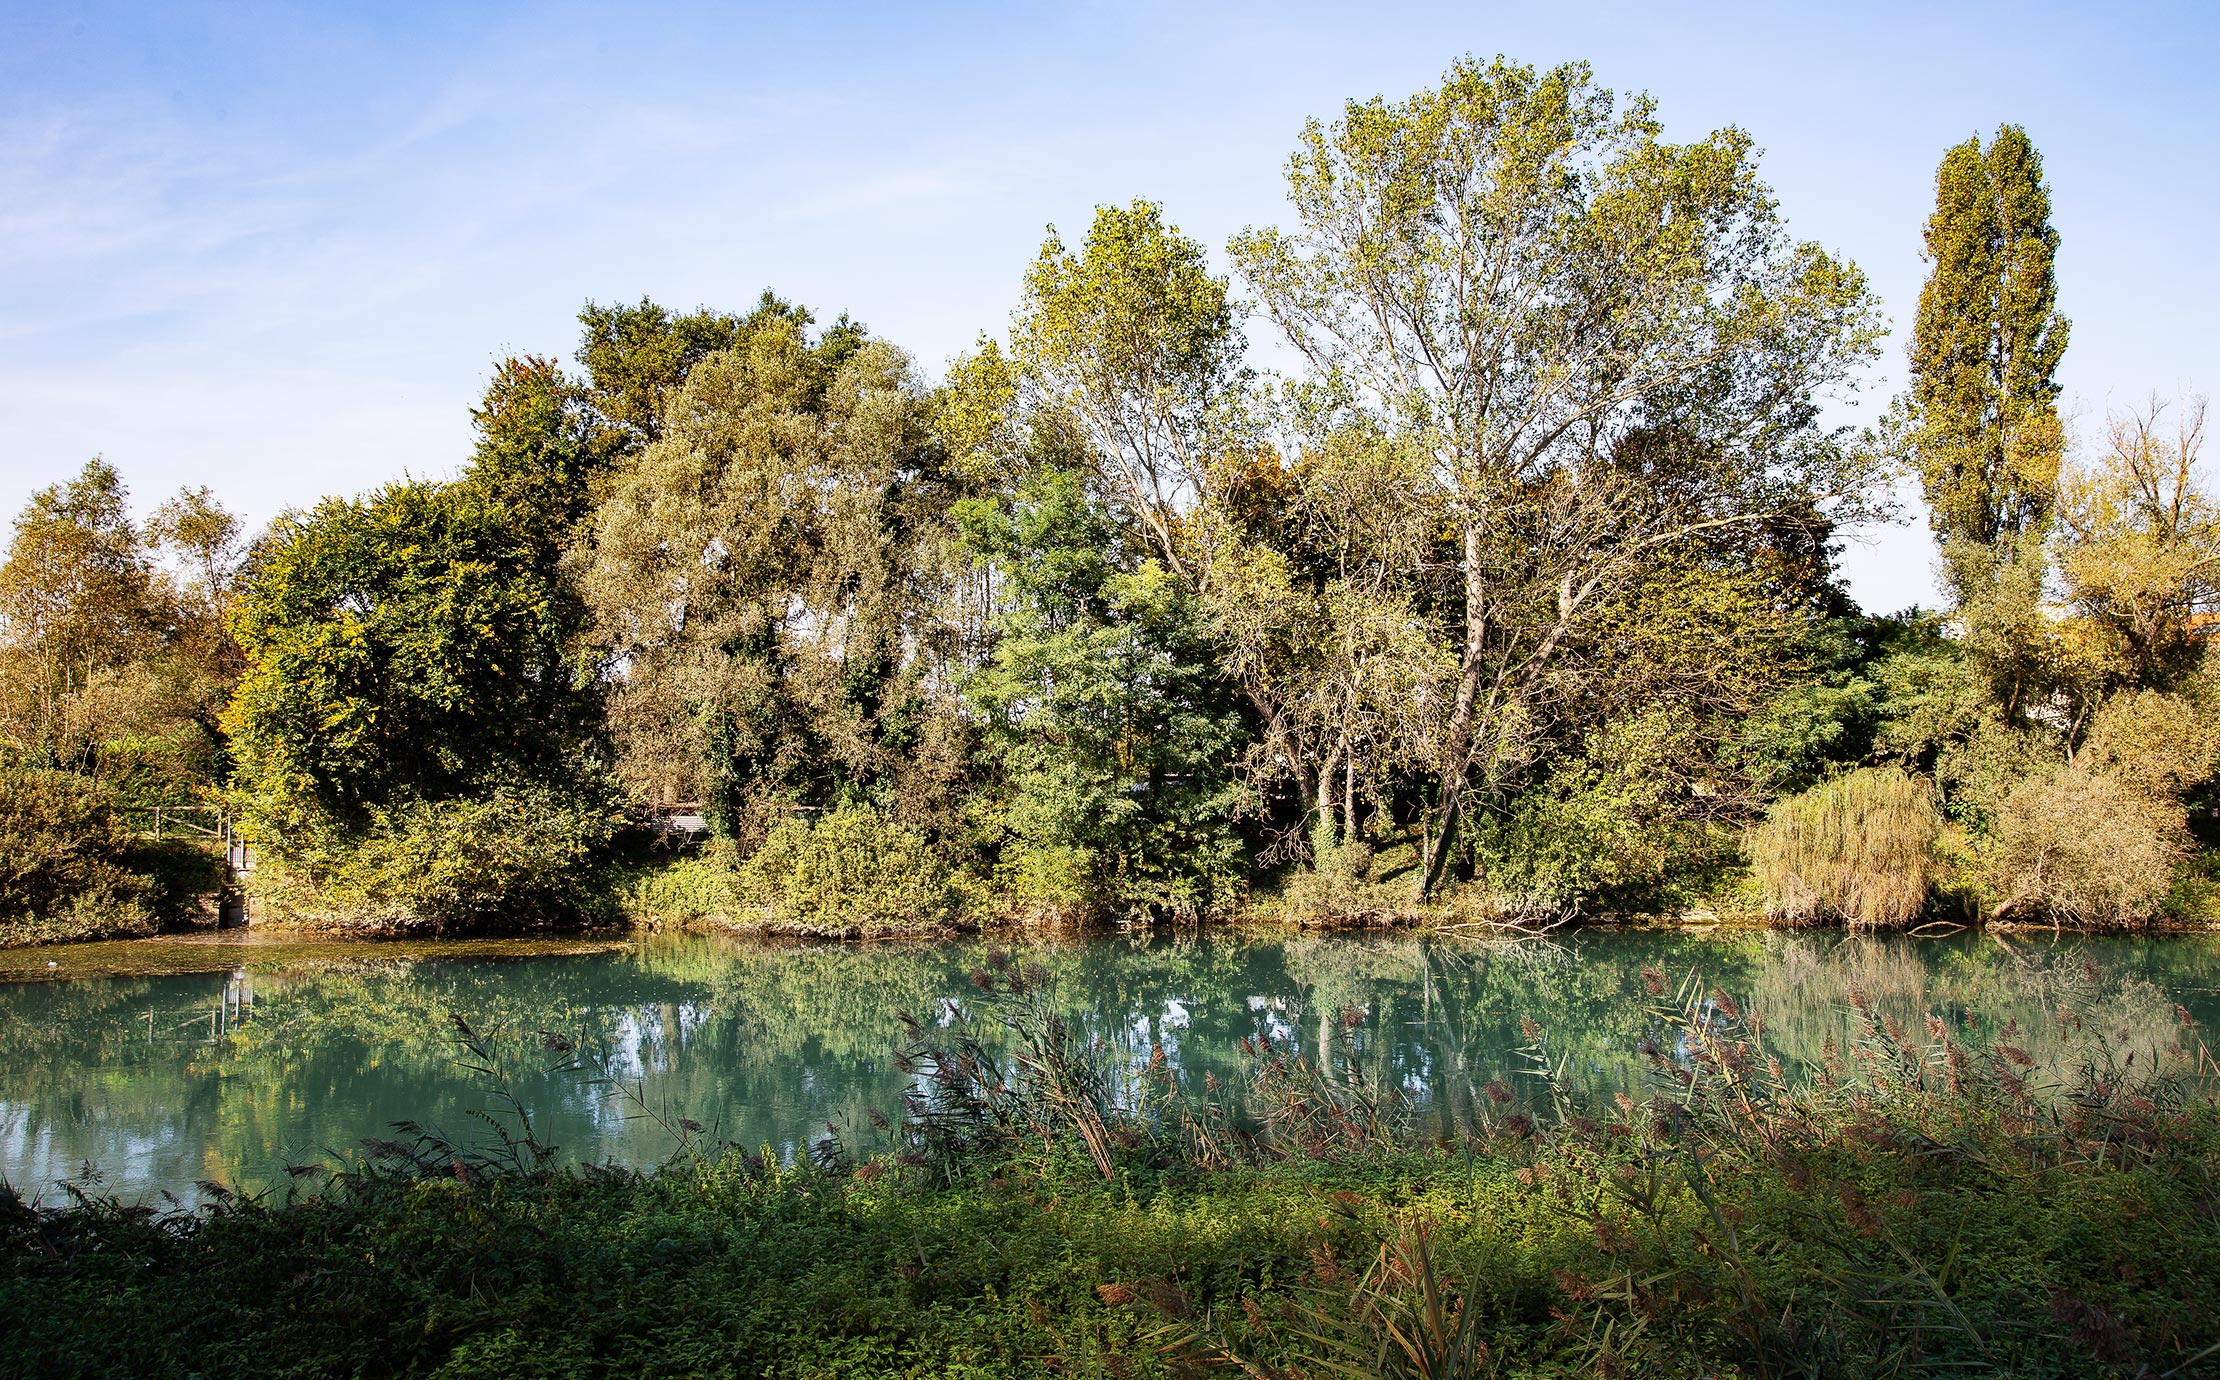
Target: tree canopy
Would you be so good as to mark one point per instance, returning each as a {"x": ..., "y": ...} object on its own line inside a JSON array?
[{"x": 1512, "y": 591}]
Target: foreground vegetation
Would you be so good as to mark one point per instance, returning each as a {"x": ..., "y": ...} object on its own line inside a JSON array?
[
  {"x": 1918, "y": 1202},
  {"x": 1517, "y": 598}
]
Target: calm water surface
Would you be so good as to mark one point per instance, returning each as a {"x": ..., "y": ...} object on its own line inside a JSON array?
[{"x": 119, "y": 1070}]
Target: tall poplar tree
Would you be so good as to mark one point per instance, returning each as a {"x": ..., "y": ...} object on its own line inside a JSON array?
[{"x": 1984, "y": 356}]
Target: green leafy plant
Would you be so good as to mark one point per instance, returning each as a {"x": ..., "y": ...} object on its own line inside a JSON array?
[
  {"x": 850, "y": 872},
  {"x": 518, "y": 855},
  {"x": 67, "y": 867}
]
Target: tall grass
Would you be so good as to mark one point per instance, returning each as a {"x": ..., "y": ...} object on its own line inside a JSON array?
[
  {"x": 1860, "y": 846},
  {"x": 1016, "y": 1078},
  {"x": 1814, "y": 1199}
]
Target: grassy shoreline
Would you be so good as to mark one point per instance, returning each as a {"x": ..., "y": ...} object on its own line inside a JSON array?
[{"x": 854, "y": 875}]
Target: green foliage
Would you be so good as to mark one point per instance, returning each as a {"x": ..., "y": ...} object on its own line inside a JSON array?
[
  {"x": 851, "y": 873},
  {"x": 1873, "y": 688},
  {"x": 637, "y": 357},
  {"x": 1112, "y": 732},
  {"x": 1528, "y": 571},
  {"x": 1348, "y": 884},
  {"x": 77, "y": 592},
  {"x": 1860, "y": 846},
  {"x": 108, "y": 664},
  {"x": 517, "y": 856},
  {"x": 2165, "y": 746},
  {"x": 774, "y": 575},
  {"x": 1132, "y": 345},
  {"x": 405, "y": 646},
  {"x": 67, "y": 869},
  {"x": 683, "y": 889},
  {"x": 1986, "y": 346},
  {"x": 1606, "y": 826},
  {"x": 539, "y": 451},
  {"x": 2139, "y": 552},
  {"x": 1604, "y": 345}
]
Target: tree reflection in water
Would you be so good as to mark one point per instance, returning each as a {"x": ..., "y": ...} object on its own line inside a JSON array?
[{"x": 155, "y": 1083}]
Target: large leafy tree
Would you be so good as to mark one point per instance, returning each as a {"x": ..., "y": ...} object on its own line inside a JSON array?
[
  {"x": 1113, "y": 734},
  {"x": 637, "y": 355},
  {"x": 109, "y": 663},
  {"x": 1320, "y": 564},
  {"x": 404, "y": 646},
  {"x": 1514, "y": 273},
  {"x": 1985, "y": 435},
  {"x": 77, "y": 592},
  {"x": 1127, "y": 353},
  {"x": 2139, "y": 550},
  {"x": 423, "y": 644},
  {"x": 771, "y": 577},
  {"x": 1979, "y": 423},
  {"x": 1132, "y": 345}
]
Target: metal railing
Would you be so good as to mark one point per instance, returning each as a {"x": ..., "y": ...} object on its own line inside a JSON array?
[{"x": 198, "y": 822}]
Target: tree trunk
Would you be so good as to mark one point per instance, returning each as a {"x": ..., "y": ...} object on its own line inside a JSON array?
[
  {"x": 1457, "y": 765},
  {"x": 1349, "y": 831},
  {"x": 1322, "y": 834}
]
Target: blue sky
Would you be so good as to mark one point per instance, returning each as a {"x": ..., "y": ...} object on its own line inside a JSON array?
[{"x": 276, "y": 249}]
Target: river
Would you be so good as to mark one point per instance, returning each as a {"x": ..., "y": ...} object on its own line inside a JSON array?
[{"x": 153, "y": 1066}]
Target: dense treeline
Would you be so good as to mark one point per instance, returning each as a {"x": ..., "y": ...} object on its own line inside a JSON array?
[{"x": 1515, "y": 596}]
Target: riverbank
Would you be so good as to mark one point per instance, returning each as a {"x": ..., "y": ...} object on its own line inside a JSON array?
[
  {"x": 858, "y": 885},
  {"x": 684, "y": 897},
  {"x": 1928, "y": 1204}
]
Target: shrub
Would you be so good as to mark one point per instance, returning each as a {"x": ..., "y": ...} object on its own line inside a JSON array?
[
  {"x": 680, "y": 890},
  {"x": 1860, "y": 846},
  {"x": 1606, "y": 829},
  {"x": 1345, "y": 888},
  {"x": 65, "y": 862},
  {"x": 516, "y": 854},
  {"x": 2083, "y": 844},
  {"x": 1046, "y": 884},
  {"x": 849, "y": 873}
]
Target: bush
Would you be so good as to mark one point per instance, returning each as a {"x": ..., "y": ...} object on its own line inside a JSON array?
[
  {"x": 680, "y": 890},
  {"x": 65, "y": 862},
  {"x": 522, "y": 854},
  {"x": 2084, "y": 845},
  {"x": 1345, "y": 888},
  {"x": 850, "y": 873},
  {"x": 1046, "y": 884},
  {"x": 1860, "y": 846}
]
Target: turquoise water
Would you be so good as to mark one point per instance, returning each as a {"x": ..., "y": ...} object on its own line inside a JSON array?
[{"x": 265, "y": 1055}]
